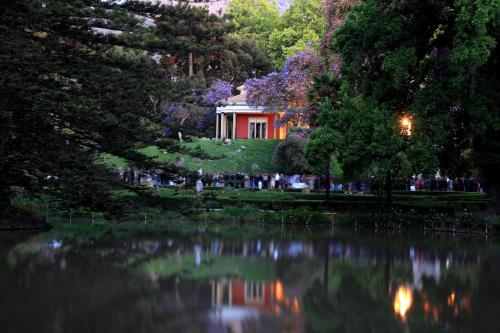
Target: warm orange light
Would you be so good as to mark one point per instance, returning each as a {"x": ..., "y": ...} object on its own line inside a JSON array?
[
  {"x": 451, "y": 298},
  {"x": 435, "y": 314},
  {"x": 406, "y": 124},
  {"x": 427, "y": 306},
  {"x": 279, "y": 294},
  {"x": 403, "y": 301},
  {"x": 296, "y": 306}
]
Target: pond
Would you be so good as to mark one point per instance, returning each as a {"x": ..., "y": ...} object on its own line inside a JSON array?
[{"x": 306, "y": 281}]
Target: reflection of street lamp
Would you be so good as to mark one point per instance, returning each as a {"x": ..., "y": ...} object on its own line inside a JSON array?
[
  {"x": 403, "y": 301},
  {"x": 406, "y": 122}
]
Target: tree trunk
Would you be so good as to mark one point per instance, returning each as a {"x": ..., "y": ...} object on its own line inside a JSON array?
[
  {"x": 132, "y": 176},
  {"x": 327, "y": 187},
  {"x": 388, "y": 189},
  {"x": 4, "y": 198},
  {"x": 379, "y": 194},
  {"x": 387, "y": 269},
  {"x": 493, "y": 191},
  {"x": 190, "y": 60},
  {"x": 325, "y": 269}
]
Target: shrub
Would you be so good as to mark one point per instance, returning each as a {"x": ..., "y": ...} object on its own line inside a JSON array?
[
  {"x": 289, "y": 155},
  {"x": 304, "y": 216}
]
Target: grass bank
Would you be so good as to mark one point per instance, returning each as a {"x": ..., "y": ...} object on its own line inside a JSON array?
[{"x": 249, "y": 156}]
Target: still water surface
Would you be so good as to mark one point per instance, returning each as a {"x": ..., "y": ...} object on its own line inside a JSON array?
[{"x": 319, "y": 281}]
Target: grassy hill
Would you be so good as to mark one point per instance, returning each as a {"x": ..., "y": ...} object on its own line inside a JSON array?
[{"x": 214, "y": 156}]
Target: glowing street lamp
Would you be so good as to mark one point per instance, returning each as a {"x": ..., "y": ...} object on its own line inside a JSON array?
[{"x": 406, "y": 123}]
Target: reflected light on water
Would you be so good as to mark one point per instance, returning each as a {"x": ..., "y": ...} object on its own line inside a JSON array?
[
  {"x": 451, "y": 298},
  {"x": 278, "y": 291},
  {"x": 295, "y": 305},
  {"x": 403, "y": 301}
]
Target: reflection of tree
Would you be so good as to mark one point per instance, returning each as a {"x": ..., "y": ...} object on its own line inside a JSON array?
[
  {"x": 486, "y": 298},
  {"x": 138, "y": 285},
  {"x": 325, "y": 266},
  {"x": 296, "y": 270},
  {"x": 349, "y": 299},
  {"x": 91, "y": 294},
  {"x": 355, "y": 296}
]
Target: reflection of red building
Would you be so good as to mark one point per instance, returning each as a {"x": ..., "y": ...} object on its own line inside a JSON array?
[
  {"x": 241, "y": 293},
  {"x": 260, "y": 295},
  {"x": 237, "y": 120},
  {"x": 251, "y": 294},
  {"x": 236, "y": 302}
]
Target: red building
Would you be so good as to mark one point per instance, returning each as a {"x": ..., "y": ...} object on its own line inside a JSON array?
[{"x": 237, "y": 120}]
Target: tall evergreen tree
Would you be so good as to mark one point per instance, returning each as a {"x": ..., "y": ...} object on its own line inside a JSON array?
[{"x": 80, "y": 78}]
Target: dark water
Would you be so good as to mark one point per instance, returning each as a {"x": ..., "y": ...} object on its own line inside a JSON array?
[{"x": 341, "y": 282}]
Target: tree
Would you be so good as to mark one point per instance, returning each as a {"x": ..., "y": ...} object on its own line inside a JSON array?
[
  {"x": 334, "y": 12},
  {"x": 299, "y": 29},
  {"x": 89, "y": 77},
  {"x": 67, "y": 94},
  {"x": 319, "y": 153},
  {"x": 289, "y": 155},
  {"x": 424, "y": 59},
  {"x": 253, "y": 19},
  {"x": 244, "y": 59},
  {"x": 286, "y": 92}
]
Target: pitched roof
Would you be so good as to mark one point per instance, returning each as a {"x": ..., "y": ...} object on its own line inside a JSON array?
[
  {"x": 241, "y": 98},
  {"x": 237, "y": 99}
]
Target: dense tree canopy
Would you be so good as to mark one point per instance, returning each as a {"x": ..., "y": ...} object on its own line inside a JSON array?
[
  {"x": 433, "y": 61},
  {"x": 65, "y": 96},
  {"x": 286, "y": 91},
  {"x": 80, "y": 78},
  {"x": 254, "y": 19},
  {"x": 299, "y": 28}
]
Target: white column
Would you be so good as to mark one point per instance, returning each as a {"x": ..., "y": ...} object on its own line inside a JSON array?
[
  {"x": 216, "y": 126},
  {"x": 222, "y": 126},
  {"x": 234, "y": 125}
]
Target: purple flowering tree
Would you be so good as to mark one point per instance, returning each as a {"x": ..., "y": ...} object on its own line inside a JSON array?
[
  {"x": 335, "y": 12},
  {"x": 196, "y": 114},
  {"x": 286, "y": 91},
  {"x": 181, "y": 117},
  {"x": 219, "y": 90}
]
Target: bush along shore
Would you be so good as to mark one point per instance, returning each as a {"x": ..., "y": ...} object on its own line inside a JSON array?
[
  {"x": 14, "y": 219},
  {"x": 450, "y": 212}
]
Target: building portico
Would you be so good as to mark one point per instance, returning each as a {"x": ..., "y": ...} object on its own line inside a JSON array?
[{"x": 235, "y": 119}]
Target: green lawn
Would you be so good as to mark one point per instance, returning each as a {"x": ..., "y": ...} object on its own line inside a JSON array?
[
  {"x": 113, "y": 161},
  {"x": 236, "y": 157}
]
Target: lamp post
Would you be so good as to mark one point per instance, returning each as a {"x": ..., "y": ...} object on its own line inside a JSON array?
[{"x": 406, "y": 124}]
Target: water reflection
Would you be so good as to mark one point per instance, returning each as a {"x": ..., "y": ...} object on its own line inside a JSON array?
[
  {"x": 403, "y": 301},
  {"x": 236, "y": 302},
  {"x": 344, "y": 283}
]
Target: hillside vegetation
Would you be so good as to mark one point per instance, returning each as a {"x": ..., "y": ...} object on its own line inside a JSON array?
[{"x": 249, "y": 156}]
